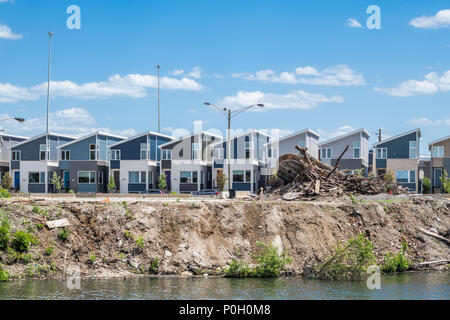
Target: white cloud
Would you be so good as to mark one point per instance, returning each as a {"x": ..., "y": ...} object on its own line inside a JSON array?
[
  {"x": 340, "y": 75},
  {"x": 73, "y": 121},
  {"x": 196, "y": 72},
  {"x": 131, "y": 86},
  {"x": 7, "y": 33},
  {"x": 352, "y": 23},
  {"x": 424, "y": 121},
  {"x": 431, "y": 84},
  {"x": 294, "y": 100},
  {"x": 439, "y": 20}
]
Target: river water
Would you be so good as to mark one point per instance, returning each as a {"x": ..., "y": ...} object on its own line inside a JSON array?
[{"x": 423, "y": 285}]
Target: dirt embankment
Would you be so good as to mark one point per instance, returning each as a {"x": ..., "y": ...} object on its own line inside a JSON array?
[{"x": 200, "y": 237}]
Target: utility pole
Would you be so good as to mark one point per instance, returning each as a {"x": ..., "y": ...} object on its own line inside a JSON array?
[
  {"x": 50, "y": 35},
  {"x": 159, "y": 103},
  {"x": 229, "y": 114}
]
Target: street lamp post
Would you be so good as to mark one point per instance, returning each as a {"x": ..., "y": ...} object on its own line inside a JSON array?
[
  {"x": 21, "y": 120},
  {"x": 230, "y": 114},
  {"x": 50, "y": 35}
]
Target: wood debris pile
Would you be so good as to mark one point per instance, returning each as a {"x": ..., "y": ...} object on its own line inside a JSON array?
[{"x": 303, "y": 176}]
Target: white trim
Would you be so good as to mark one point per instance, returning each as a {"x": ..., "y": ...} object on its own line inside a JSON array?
[
  {"x": 399, "y": 136},
  {"x": 13, "y": 136},
  {"x": 40, "y": 136},
  {"x": 191, "y": 135},
  {"x": 251, "y": 131},
  {"x": 140, "y": 135},
  {"x": 437, "y": 141},
  {"x": 293, "y": 135},
  {"x": 95, "y": 177},
  {"x": 96, "y": 133}
]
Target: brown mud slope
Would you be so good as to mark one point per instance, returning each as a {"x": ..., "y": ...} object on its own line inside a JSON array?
[{"x": 203, "y": 236}]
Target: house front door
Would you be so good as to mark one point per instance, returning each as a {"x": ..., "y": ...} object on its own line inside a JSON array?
[
  {"x": 168, "y": 179},
  {"x": 66, "y": 180},
  {"x": 17, "y": 180},
  {"x": 117, "y": 179}
]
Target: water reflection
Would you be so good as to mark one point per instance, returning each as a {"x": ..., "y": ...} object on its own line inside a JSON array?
[{"x": 430, "y": 285}]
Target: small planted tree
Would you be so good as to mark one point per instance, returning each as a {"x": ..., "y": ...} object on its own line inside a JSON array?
[
  {"x": 111, "y": 184},
  {"x": 426, "y": 183},
  {"x": 445, "y": 181},
  {"x": 221, "y": 180},
  {"x": 162, "y": 181},
  {"x": 6, "y": 181},
  {"x": 57, "y": 181}
]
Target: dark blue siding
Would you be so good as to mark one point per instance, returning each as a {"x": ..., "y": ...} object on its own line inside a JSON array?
[
  {"x": 136, "y": 187},
  {"x": 242, "y": 186},
  {"x": 115, "y": 164},
  {"x": 381, "y": 163},
  {"x": 235, "y": 144},
  {"x": 399, "y": 148}
]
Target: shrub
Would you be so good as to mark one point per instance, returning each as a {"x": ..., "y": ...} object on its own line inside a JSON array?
[
  {"x": 162, "y": 181},
  {"x": 7, "y": 181},
  {"x": 36, "y": 209},
  {"x": 92, "y": 257},
  {"x": 71, "y": 191},
  {"x": 238, "y": 269},
  {"x": 22, "y": 241},
  {"x": 397, "y": 262},
  {"x": 154, "y": 266},
  {"x": 221, "y": 180},
  {"x": 445, "y": 180},
  {"x": 4, "y": 233},
  {"x": 111, "y": 184},
  {"x": 348, "y": 262},
  {"x": 4, "y": 275},
  {"x": 57, "y": 181},
  {"x": 270, "y": 263},
  {"x": 39, "y": 226},
  {"x": 389, "y": 177},
  {"x": 4, "y": 193},
  {"x": 140, "y": 242},
  {"x": 48, "y": 251},
  {"x": 63, "y": 234},
  {"x": 426, "y": 183}
]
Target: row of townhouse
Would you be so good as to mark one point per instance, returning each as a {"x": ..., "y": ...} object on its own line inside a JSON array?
[{"x": 191, "y": 163}]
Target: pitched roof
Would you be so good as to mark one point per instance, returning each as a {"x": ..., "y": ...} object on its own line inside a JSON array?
[
  {"x": 140, "y": 135},
  {"x": 397, "y": 136},
  {"x": 362, "y": 130},
  {"x": 242, "y": 134},
  {"x": 293, "y": 135},
  {"x": 437, "y": 141},
  {"x": 13, "y": 136},
  {"x": 43, "y": 135},
  {"x": 188, "y": 136},
  {"x": 90, "y": 135}
]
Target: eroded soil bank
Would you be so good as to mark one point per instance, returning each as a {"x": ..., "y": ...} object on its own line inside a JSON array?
[{"x": 197, "y": 237}]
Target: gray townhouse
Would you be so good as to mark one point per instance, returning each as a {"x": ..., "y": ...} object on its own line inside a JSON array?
[
  {"x": 246, "y": 160},
  {"x": 7, "y": 141},
  {"x": 400, "y": 154},
  {"x": 440, "y": 161},
  {"x": 357, "y": 156},
  {"x": 84, "y": 162},
  {"x": 187, "y": 162},
  {"x": 274, "y": 149},
  {"x": 33, "y": 162},
  {"x": 135, "y": 162}
]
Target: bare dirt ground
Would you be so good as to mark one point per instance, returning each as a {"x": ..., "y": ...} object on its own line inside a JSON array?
[{"x": 198, "y": 236}]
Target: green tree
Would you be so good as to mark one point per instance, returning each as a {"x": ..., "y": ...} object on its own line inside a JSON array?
[
  {"x": 221, "y": 180},
  {"x": 111, "y": 184},
  {"x": 57, "y": 181},
  {"x": 445, "y": 182},
  {"x": 6, "y": 181},
  {"x": 162, "y": 181}
]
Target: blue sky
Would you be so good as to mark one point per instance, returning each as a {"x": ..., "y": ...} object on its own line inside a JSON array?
[{"x": 305, "y": 60}]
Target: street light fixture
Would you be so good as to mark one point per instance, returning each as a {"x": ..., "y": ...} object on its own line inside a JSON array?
[
  {"x": 231, "y": 114},
  {"x": 21, "y": 120}
]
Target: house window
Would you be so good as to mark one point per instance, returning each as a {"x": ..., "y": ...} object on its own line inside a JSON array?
[
  {"x": 405, "y": 176},
  {"x": 412, "y": 149},
  {"x": 143, "y": 177},
  {"x": 302, "y": 144},
  {"x": 167, "y": 154},
  {"x": 194, "y": 151},
  {"x": 437, "y": 174},
  {"x": 86, "y": 177},
  {"x": 36, "y": 177},
  {"x": 185, "y": 177},
  {"x": 248, "y": 147},
  {"x": 438, "y": 152},
  {"x": 325, "y": 153},
  {"x": 202, "y": 177},
  {"x": 65, "y": 155},
  {"x": 218, "y": 153},
  {"x": 145, "y": 151},
  {"x": 15, "y": 155},
  {"x": 150, "y": 177},
  {"x": 44, "y": 153},
  {"x": 241, "y": 176},
  {"x": 94, "y": 152},
  {"x": 194, "y": 177},
  {"x": 272, "y": 153},
  {"x": 356, "y": 149},
  {"x": 100, "y": 177},
  {"x": 115, "y": 154},
  {"x": 381, "y": 153}
]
